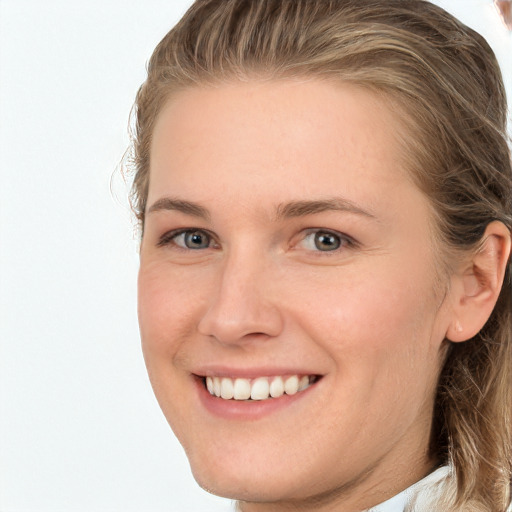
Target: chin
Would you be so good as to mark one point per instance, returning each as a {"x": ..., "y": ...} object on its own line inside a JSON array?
[{"x": 246, "y": 484}]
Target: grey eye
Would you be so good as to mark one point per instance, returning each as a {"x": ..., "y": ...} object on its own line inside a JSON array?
[
  {"x": 326, "y": 241},
  {"x": 189, "y": 239},
  {"x": 194, "y": 240}
]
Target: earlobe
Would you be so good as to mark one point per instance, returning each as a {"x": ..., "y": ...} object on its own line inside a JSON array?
[{"x": 479, "y": 284}]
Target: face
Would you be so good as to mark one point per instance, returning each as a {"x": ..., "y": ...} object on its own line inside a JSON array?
[{"x": 287, "y": 256}]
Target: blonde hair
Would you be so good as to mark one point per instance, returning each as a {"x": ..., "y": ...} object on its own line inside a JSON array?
[{"x": 446, "y": 80}]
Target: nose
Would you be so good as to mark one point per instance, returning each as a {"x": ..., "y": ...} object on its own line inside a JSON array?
[{"x": 243, "y": 307}]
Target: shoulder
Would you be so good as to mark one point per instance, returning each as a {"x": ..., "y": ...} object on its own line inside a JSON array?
[{"x": 427, "y": 495}]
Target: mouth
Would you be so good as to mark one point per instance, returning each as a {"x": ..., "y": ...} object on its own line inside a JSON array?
[{"x": 259, "y": 388}]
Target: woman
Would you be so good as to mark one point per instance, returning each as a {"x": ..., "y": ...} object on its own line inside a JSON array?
[{"x": 324, "y": 190}]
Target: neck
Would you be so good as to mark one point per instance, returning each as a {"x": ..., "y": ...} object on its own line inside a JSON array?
[{"x": 363, "y": 492}]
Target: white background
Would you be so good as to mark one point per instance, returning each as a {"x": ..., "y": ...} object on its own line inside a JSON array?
[{"x": 79, "y": 427}]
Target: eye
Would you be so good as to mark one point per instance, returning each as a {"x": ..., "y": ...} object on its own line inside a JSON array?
[
  {"x": 325, "y": 241},
  {"x": 193, "y": 239}
]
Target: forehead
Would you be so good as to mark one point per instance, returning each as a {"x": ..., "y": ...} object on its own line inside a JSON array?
[{"x": 315, "y": 136}]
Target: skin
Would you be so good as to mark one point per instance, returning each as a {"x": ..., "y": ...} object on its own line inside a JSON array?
[{"x": 370, "y": 317}]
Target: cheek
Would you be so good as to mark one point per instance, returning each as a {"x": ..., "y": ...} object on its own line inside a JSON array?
[
  {"x": 167, "y": 311},
  {"x": 379, "y": 340},
  {"x": 376, "y": 326},
  {"x": 167, "y": 308},
  {"x": 369, "y": 302}
]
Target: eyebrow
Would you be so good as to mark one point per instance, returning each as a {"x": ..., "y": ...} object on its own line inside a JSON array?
[
  {"x": 288, "y": 210},
  {"x": 186, "y": 207},
  {"x": 303, "y": 208}
]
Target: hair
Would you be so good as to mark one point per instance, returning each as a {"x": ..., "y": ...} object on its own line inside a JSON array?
[{"x": 447, "y": 84}]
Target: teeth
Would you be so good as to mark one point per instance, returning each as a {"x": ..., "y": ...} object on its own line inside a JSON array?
[
  {"x": 209, "y": 385},
  {"x": 242, "y": 389},
  {"x": 226, "y": 389},
  {"x": 261, "y": 388},
  {"x": 277, "y": 387},
  {"x": 216, "y": 386},
  {"x": 303, "y": 383},
  {"x": 291, "y": 385}
]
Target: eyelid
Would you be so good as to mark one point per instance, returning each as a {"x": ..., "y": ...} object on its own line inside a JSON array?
[
  {"x": 168, "y": 237},
  {"x": 347, "y": 242}
]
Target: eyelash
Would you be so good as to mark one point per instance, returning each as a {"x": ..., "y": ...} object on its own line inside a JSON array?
[
  {"x": 170, "y": 237},
  {"x": 344, "y": 241}
]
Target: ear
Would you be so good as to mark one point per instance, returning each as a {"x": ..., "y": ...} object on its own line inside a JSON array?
[{"x": 476, "y": 288}]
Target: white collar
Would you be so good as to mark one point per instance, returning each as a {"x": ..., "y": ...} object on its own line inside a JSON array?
[{"x": 421, "y": 493}]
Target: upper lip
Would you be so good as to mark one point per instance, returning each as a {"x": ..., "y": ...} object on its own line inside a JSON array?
[{"x": 249, "y": 373}]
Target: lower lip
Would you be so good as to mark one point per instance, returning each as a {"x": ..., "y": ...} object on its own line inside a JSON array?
[{"x": 246, "y": 409}]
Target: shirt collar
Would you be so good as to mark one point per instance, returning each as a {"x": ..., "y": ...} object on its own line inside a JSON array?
[{"x": 421, "y": 493}]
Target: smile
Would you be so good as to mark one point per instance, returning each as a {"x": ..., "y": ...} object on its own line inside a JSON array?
[{"x": 260, "y": 388}]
